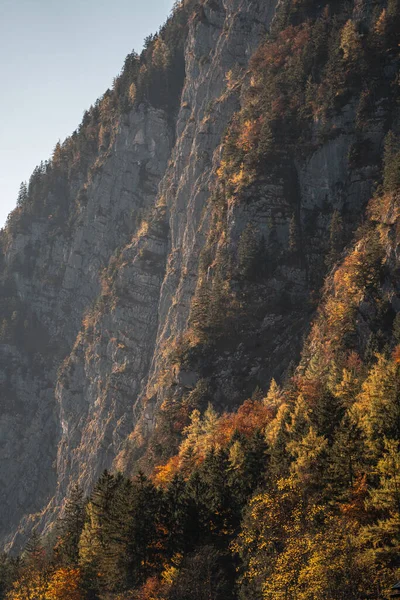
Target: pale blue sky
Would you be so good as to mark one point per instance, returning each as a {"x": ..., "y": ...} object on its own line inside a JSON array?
[{"x": 57, "y": 57}]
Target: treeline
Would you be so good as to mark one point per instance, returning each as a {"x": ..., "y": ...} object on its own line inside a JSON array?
[
  {"x": 155, "y": 77},
  {"x": 296, "y": 495},
  {"x": 168, "y": 540}
]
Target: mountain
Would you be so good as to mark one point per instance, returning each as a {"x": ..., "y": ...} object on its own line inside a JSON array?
[{"x": 223, "y": 219}]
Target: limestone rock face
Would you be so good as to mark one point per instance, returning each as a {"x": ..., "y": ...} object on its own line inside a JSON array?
[
  {"x": 104, "y": 293},
  {"x": 58, "y": 288},
  {"x": 103, "y": 389}
]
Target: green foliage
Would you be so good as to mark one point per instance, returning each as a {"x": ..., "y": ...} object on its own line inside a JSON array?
[
  {"x": 336, "y": 239},
  {"x": 8, "y": 574},
  {"x": 69, "y": 528},
  {"x": 252, "y": 255},
  {"x": 295, "y": 495},
  {"x": 391, "y": 170}
]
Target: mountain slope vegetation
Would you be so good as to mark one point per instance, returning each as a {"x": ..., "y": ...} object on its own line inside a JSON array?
[{"x": 224, "y": 411}]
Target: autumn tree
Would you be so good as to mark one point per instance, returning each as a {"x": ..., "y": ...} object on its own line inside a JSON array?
[
  {"x": 383, "y": 537},
  {"x": 65, "y": 584},
  {"x": 377, "y": 410},
  {"x": 33, "y": 574}
]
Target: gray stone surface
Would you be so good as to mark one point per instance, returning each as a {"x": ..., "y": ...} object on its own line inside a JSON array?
[{"x": 68, "y": 419}]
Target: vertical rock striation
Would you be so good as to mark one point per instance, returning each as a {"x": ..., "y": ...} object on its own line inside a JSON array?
[{"x": 101, "y": 294}]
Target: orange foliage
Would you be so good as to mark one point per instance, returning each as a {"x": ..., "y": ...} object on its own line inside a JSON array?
[
  {"x": 350, "y": 281},
  {"x": 249, "y": 418},
  {"x": 64, "y": 584},
  {"x": 153, "y": 589},
  {"x": 355, "y": 507},
  {"x": 290, "y": 43},
  {"x": 396, "y": 355},
  {"x": 311, "y": 389},
  {"x": 165, "y": 473},
  {"x": 354, "y": 362},
  {"x": 249, "y": 134}
]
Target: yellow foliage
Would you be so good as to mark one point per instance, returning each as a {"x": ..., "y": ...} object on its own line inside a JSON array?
[
  {"x": 240, "y": 179},
  {"x": 161, "y": 54},
  {"x": 132, "y": 93},
  {"x": 381, "y": 24},
  {"x": 31, "y": 585},
  {"x": 248, "y": 135},
  {"x": 376, "y": 408},
  {"x": 164, "y": 474},
  {"x": 222, "y": 170},
  {"x": 350, "y": 41},
  {"x": 64, "y": 584}
]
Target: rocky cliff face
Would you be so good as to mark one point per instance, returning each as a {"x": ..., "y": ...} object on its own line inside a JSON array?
[
  {"x": 119, "y": 354},
  {"x": 108, "y": 293},
  {"x": 59, "y": 287}
]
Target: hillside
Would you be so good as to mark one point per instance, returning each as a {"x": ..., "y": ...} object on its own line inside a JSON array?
[{"x": 200, "y": 291}]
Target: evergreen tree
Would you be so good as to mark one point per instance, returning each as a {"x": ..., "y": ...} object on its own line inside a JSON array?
[
  {"x": 391, "y": 163},
  {"x": 294, "y": 243},
  {"x": 217, "y": 504},
  {"x": 69, "y": 528},
  {"x": 335, "y": 239},
  {"x": 383, "y": 538},
  {"x": 102, "y": 546},
  {"x": 145, "y": 537},
  {"x": 8, "y": 573},
  {"x": 22, "y": 194},
  {"x": 346, "y": 457},
  {"x": 248, "y": 253}
]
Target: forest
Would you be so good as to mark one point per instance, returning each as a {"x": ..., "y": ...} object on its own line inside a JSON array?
[{"x": 294, "y": 494}]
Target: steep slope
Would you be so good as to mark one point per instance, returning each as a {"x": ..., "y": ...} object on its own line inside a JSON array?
[
  {"x": 155, "y": 276},
  {"x": 62, "y": 280},
  {"x": 173, "y": 250},
  {"x": 77, "y": 211},
  {"x": 291, "y": 181}
]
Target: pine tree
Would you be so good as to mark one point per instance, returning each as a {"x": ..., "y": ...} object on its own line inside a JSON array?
[
  {"x": 377, "y": 410},
  {"x": 346, "y": 457},
  {"x": 177, "y": 518},
  {"x": 255, "y": 462},
  {"x": 335, "y": 239},
  {"x": 391, "y": 163},
  {"x": 217, "y": 503},
  {"x": 294, "y": 237},
  {"x": 384, "y": 536},
  {"x": 145, "y": 538},
  {"x": 248, "y": 253},
  {"x": 69, "y": 528},
  {"x": 22, "y": 194},
  {"x": 104, "y": 538}
]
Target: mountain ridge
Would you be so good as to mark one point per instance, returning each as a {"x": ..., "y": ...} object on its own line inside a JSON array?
[{"x": 189, "y": 225}]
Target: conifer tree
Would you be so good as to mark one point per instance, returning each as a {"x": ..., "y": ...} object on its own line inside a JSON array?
[
  {"x": 103, "y": 541},
  {"x": 335, "y": 239},
  {"x": 22, "y": 194},
  {"x": 294, "y": 236},
  {"x": 391, "y": 163},
  {"x": 70, "y": 526},
  {"x": 248, "y": 253},
  {"x": 383, "y": 538},
  {"x": 145, "y": 538}
]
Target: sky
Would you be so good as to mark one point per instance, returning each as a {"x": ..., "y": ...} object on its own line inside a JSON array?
[{"x": 57, "y": 57}]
